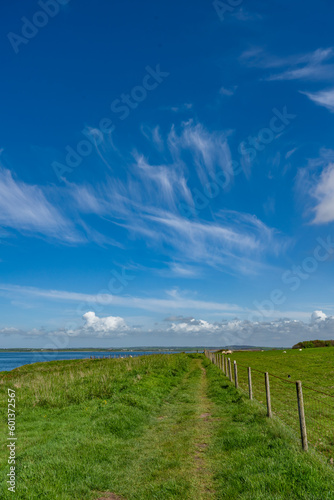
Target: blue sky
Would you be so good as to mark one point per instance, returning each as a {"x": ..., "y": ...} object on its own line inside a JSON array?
[{"x": 166, "y": 173}]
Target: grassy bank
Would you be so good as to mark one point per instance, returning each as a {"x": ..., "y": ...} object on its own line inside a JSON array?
[{"x": 155, "y": 427}]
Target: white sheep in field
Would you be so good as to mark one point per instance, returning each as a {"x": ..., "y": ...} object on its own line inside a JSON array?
[
  {"x": 284, "y": 351},
  {"x": 300, "y": 349}
]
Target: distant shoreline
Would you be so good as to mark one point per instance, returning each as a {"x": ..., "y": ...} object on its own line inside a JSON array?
[
  {"x": 142, "y": 349},
  {"x": 92, "y": 349}
]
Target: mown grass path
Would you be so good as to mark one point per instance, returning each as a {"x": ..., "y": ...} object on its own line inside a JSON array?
[
  {"x": 173, "y": 450},
  {"x": 205, "y": 430}
]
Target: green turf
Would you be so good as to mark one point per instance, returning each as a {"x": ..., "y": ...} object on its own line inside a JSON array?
[
  {"x": 315, "y": 368},
  {"x": 256, "y": 457},
  {"x": 154, "y": 427}
]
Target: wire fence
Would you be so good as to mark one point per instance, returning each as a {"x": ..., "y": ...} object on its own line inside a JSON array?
[{"x": 308, "y": 412}]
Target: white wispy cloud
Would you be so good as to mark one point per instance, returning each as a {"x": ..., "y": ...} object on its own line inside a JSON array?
[
  {"x": 46, "y": 212},
  {"x": 163, "y": 185},
  {"x": 153, "y": 134},
  {"x": 183, "y": 107},
  {"x": 245, "y": 15},
  {"x": 323, "y": 98},
  {"x": 316, "y": 65},
  {"x": 149, "y": 204},
  {"x": 104, "y": 298},
  {"x": 228, "y": 92},
  {"x": 290, "y": 153},
  {"x": 234, "y": 240},
  {"x": 25, "y": 208},
  {"x": 231, "y": 241},
  {"x": 311, "y": 66},
  {"x": 183, "y": 270},
  {"x": 209, "y": 150},
  {"x": 324, "y": 194},
  {"x": 315, "y": 187}
]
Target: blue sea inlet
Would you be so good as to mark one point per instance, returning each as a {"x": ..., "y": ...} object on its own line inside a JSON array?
[{"x": 11, "y": 360}]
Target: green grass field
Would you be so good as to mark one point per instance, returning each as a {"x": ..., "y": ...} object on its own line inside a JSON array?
[
  {"x": 153, "y": 427},
  {"x": 315, "y": 368}
]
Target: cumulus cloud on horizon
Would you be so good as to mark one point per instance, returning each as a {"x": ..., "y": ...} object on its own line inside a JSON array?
[
  {"x": 281, "y": 332},
  {"x": 109, "y": 324},
  {"x": 318, "y": 316}
]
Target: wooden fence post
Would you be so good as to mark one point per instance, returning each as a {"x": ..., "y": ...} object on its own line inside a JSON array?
[
  {"x": 224, "y": 370},
  {"x": 301, "y": 412},
  {"x": 235, "y": 374},
  {"x": 250, "y": 388},
  {"x": 269, "y": 413},
  {"x": 229, "y": 369}
]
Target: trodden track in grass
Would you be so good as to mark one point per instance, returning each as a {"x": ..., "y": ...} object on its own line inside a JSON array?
[{"x": 156, "y": 427}]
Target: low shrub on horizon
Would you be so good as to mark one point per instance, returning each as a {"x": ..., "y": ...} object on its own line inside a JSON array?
[{"x": 309, "y": 344}]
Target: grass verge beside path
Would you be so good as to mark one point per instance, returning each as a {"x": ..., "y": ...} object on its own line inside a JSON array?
[{"x": 78, "y": 423}]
